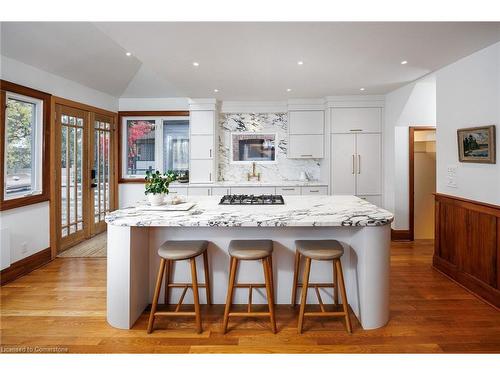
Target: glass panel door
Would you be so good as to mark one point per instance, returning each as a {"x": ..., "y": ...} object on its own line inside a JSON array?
[
  {"x": 72, "y": 175},
  {"x": 101, "y": 172}
]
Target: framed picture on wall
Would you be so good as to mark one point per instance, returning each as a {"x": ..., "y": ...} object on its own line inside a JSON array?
[{"x": 477, "y": 145}]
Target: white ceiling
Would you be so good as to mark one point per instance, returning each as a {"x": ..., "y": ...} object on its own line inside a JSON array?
[{"x": 245, "y": 61}]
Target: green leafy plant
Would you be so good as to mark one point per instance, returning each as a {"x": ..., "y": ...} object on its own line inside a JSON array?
[{"x": 157, "y": 183}]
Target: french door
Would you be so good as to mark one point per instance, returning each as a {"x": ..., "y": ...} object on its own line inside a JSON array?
[{"x": 84, "y": 165}]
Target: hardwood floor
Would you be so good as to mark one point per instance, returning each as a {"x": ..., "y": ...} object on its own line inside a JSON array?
[
  {"x": 61, "y": 307},
  {"x": 95, "y": 247}
]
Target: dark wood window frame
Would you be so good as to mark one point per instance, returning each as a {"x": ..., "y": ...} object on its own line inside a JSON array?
[
  {"x": 9, "y": 204},
  {"x": 121, "y": 115}
]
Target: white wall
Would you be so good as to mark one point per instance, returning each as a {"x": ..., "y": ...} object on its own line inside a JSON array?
[
  {"x": 28, "y": 227},
  {"x": 410, "y": 105},
  {"x": 154, "y": 104},
  {"x": 27, "y": 75},
  {"x": 468, "y": 94}
]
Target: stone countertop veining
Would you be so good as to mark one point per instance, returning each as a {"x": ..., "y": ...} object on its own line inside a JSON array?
[{"x": 298, "y": 211}]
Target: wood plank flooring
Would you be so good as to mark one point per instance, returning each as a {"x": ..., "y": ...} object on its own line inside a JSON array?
[{"x": 62, "y": 307}]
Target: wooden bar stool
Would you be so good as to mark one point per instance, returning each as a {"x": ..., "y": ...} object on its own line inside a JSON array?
[
  {"x": 251, "y": 250},
  {"x": 172, "y": 251},
  {"x": 321, "y": 250}
]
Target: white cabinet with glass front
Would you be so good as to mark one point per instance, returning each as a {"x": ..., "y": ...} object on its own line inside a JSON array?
[{"x": 154, "y": 143}]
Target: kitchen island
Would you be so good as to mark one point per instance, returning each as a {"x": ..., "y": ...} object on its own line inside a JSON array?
[{"x": 134, "y": 235}]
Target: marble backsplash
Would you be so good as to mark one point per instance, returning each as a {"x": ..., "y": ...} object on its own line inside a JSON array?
[{"x": 284, "y": 169}]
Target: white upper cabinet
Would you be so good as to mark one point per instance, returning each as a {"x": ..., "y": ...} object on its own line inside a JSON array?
[
  {"x": 306, "y": 122},
  {"x": 348, "y": 120},
  {"x": 202, "y": 122},
  {"x": 202, "y": 146},
  {"x": 369, "y": 164},
  {"x": 308, "y": 146},
  {"x": 306, "y": 134}
]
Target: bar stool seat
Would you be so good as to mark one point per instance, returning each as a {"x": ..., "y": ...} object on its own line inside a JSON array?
[
  {"x": 181, "y": 250},
  {"x": 250, "y": 249},
  {"x": 320, "y": 249}
]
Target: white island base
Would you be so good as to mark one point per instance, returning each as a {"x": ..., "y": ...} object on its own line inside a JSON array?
[{"x": 133, "y": 265}]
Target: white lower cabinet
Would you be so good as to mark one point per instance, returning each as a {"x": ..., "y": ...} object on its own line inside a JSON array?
[
  {"x": 221, "y": 190},
  {"x": 201, "y": 171},
  {"x": 174, "y": 190},
  {"x": 374, "y": 199},
  {"x": 254, "y": 190},
  {"x": 287, "y": 190},
  {"x": 206, "y": 191},
  {"x": 314, "y": 190}
]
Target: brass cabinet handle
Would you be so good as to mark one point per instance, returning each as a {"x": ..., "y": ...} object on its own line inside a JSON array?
[
  {"x": 356, "y": 130},
  {"x": 359, "y": 164},
  {"x": 306, "y": 155},
  {"x": 353, "y": 162}
]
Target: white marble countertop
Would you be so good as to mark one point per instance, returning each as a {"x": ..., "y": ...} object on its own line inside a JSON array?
[
  {"x": 298, "y": 211},
  {"x": 251, "y": 183}
]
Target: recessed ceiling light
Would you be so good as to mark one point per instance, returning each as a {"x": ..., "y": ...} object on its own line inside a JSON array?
[
  {"x": 300, "y": 62},
  {"x": 404, "y": 62},
  {"x": 288, "y": 90},
  {"x": 129, "y": 54},
  {"x": 196, "y": 64},
  {"x": 362, "y": 89},
  {"x": 216, "y": 90}
]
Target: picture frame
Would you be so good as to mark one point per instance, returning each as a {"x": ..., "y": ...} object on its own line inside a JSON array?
[{"x": 477, "y": 144}]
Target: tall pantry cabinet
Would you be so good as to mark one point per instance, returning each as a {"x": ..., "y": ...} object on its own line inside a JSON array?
[{"x": 356, "y": 152}]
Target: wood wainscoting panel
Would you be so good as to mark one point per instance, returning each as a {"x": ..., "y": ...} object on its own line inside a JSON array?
[
  {"x": 25, "y": 266},
  {"x": 467, "y": 246}
]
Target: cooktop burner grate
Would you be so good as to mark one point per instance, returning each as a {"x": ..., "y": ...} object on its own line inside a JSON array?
[{"x": 243, "y": 199}]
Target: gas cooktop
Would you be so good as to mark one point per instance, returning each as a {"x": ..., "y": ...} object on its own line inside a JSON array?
[{"x": 237, "y": 199}]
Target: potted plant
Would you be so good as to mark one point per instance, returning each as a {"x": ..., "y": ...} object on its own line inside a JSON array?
[{"x": 157, "y": 186}]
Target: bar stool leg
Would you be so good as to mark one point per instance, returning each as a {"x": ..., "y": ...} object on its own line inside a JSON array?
[
  {"x": 195, "y": 295},
  {"x": 161, "y": 270},
  {"x": 305, "y": 285},
  {"x": 336, "y": 286},
  {"x": 230, "y": 289},
  {"x": 270, "y": 296},
  {"x": 271, "y": 274},
  {"x": 168, "y": 272},
  {"x": 207, "y": 279},
  {"x": 343, "y": 294},
  {"x": 295, "y": 278}
]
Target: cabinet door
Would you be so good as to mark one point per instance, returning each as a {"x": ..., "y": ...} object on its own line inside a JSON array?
[
  {"x": 346, "y": 120},
  {"x": 202, "y": 122},
  {"x": 305, "y": 147},
  {"x": 200, "y": 191},
  {"x": 202, "y": 146},
  {"x": 176, "y": 190},
  {"x": 368, "y": 164},
  {"x": 288, "y": 190},
  {"x": 253, "y": 190},
  {"x": 201, "y": 170},
  {"x": 374, "y": 199},
  {"x": 306, "y": 122},
  {"x": 343, "y": 164},
  {"x": 314, "y": 190},
  {"x": 221, "y": 190}
]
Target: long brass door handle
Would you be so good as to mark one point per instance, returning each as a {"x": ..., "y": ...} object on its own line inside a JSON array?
[
  {"x": 359, "y": 164},
  {"x": 353, "y": 162}
]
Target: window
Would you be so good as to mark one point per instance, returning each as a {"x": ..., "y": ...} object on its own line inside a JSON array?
[
  {"x": 22, "y": 153},
  {"x": 250, "y": 147},
  {"x": 23, "y": 146},
  {"x": 154, "y": 143}
]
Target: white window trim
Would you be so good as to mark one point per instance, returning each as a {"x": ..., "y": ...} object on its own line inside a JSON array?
[{"x": 37, "y": 147}]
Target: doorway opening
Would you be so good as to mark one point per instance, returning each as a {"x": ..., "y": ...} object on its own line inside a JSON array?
[{"x": 422, "y": 146}]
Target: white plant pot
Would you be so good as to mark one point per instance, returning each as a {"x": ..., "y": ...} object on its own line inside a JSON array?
[{"x": 156, "y": 199}]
